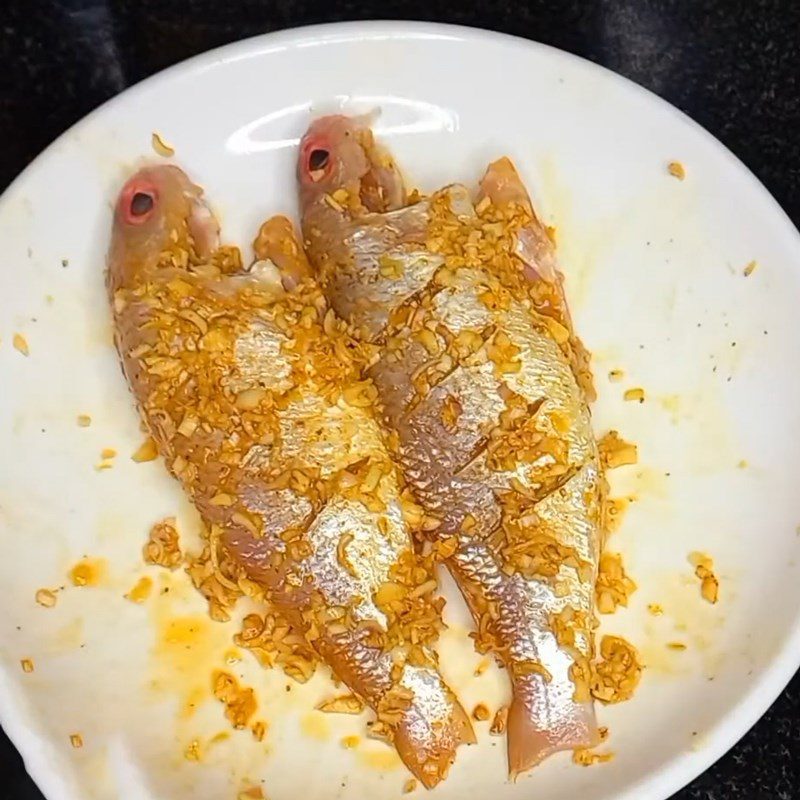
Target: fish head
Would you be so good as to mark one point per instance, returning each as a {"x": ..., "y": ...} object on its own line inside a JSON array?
[
  {"x": 340, "y": 153},
  {"x": 158, "y": 209}
]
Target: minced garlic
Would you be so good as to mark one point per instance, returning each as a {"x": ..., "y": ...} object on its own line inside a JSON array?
[
  {"x": 613, "y": 587},
  {"x": 635, "y": 395},
  {"x": 677, "y": 170},
  {"x": 345, "y": 704},
  {"x": 163, "y": 545},
  {"x": 160, "y": 146},
  {"x": 587, "y": 758},
  {"x": 146, "y": 451},
  {"x": 46, "y": 598},
  {"x": 499, "y": 722},
  {"x": 709, "y": 583}
]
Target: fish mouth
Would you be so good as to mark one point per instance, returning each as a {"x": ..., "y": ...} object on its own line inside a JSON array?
[
  {"x": 164, "y": 194},
  {"x": 340, "y": 152},
  {"x": 138, "y": 199},
  {"x": 315, "y": 159},
  {"x": 315, "y": 162}
]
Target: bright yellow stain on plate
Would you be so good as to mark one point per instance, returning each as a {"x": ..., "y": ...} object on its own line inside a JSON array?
[
  {"x": 315, "y": 726},
  {"x": 88, "y": 572},
  {"x": 685, "y": 618},
  {"x": 382, "y": 759},
  {"x": 186, "y": 643},
  {"x": 187, "y": 650}
]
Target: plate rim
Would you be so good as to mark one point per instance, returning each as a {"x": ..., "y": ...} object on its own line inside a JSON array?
[{"x": 765, "y": 690}]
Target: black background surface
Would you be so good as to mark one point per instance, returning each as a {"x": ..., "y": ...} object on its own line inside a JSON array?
[{"x": 733, "y": 66}]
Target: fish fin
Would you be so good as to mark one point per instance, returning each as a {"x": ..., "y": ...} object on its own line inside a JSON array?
[
  {"x": 502, "y": 185},
  {"x": 277, "y": 241}
]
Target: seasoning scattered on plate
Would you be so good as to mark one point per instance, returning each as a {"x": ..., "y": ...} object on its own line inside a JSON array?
[
  {"x": 21, "y": 344},
  {"x": 704, "y": 570},
  {"x": 46, "y": 598},
  {"x": 634, "y": 395},
  {"x": 161, "y": 147},
  {"x": 677, "y": 170},
  {"x": 346, "y": 704},
  {"x": 141, "y": 590},
  {"x": 146, "y": 451},
  {"x": 499, "y": 722}
]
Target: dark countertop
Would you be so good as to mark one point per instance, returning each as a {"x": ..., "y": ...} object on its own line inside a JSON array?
[{"x": 733, "y": 66}]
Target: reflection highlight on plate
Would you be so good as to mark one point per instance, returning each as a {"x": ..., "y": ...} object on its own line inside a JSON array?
[{"x": 399, "y": 116}]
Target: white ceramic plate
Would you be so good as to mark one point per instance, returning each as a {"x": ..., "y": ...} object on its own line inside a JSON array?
[{"x": 655, "y": 275}]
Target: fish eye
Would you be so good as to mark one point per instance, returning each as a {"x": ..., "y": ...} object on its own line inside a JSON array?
[
  {"x": 318, "y": 159},
  {"x": 141, "y": 204}
]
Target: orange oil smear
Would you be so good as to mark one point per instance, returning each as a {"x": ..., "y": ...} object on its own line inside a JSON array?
[
  {"x": 141, "y": 590},
  {"x": 613, "y": 510},
  {"x": 88, "y": 572},
  {"x": 193, "y": 700},
  {"x": 349, "y": 742},
  {"x": 253, "y": 793},
  {"x": 185, "y": 643},
  {"x": 186, "y": 651}
]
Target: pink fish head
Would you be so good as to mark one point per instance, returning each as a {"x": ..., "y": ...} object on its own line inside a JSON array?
[
  {"x": 339, "y": 152},
  {"x": 158, "y": 208}
]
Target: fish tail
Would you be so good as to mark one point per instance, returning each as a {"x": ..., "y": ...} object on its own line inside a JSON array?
[
  {"x": 429, "y": 750},
  {"x": 533, "y": 732}
]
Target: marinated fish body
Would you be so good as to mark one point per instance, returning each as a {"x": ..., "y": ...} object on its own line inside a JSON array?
[
  {"x": 252, "y": 394},
  {"x": 486, "y": 388}
]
